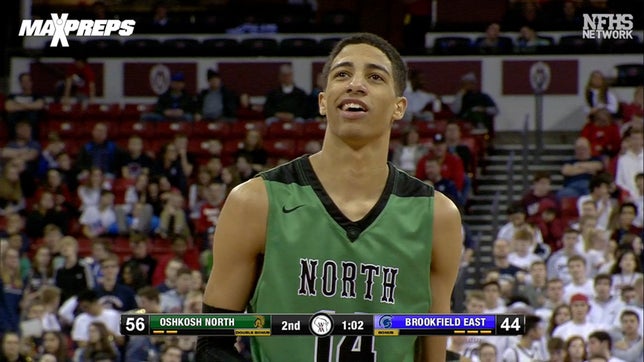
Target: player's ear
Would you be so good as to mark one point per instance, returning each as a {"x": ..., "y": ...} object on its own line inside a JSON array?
[
  {"x": 322, "y": 103},
  {"x": 400, "y": 108}
]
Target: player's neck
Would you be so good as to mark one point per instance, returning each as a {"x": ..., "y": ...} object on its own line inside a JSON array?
[{"x": 361, "y": 167}]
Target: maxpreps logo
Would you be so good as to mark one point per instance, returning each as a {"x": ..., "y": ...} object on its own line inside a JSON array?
[
  {"x": 608, "y": 26},
  {"x": 60, "y": 28}
]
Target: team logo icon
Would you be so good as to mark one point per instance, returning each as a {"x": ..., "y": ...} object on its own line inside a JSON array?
[
  {"x": 321, "y": 325},
  {"x": 385, "y": 321}
]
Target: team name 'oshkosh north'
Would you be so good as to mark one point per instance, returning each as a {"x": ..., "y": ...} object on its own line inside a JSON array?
[
  {"x": 330, "y": 277},
  {"x": 59, "y": 28}
]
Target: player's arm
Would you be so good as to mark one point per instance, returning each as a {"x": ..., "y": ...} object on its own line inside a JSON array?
[
  {"x": 238, "y": 241},
  {"x": 447, "y": 245}
]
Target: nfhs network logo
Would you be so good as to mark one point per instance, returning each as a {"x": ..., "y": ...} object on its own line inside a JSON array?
[
  {"x": 60, "y": 28},
  {"x": 608, "y": 26}
]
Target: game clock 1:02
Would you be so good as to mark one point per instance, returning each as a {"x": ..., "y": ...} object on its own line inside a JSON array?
[{"x": 349, "y": 325}]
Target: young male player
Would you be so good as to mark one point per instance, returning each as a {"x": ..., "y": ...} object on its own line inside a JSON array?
[{"x": 341, "y": 230}]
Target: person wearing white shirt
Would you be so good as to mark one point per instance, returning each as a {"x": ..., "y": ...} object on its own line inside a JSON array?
[
  {"x": 631, "y": 163},
  {"x": 625, "y": 271},
  {"x": 523, "y": 257},
  {"x": 598, "y": 96},
  {"x": 558, "y": 261},
  {"x": 517, "y": 220},
  {"x": 631, "y": 346},
  {"x": 524, "y": 350},
  {"x": 600, "y": 195},
  {"x": 600, "y": 344},
  {"x": 604, "y": 307},
  {"x": 554, "y": 298},
  {"x": 94, "y": 311},
  {"x": 493, "y": 302},
  {"x": 418, "y": 98},
  {"x": 101, "y": 219},
  {"x": 579, "y": 324},
  {"x": 638, "y": 200},
  {"x": 580, "y": 282}
]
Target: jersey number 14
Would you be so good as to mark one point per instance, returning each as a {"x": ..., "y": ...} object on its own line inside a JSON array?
[{"x": 349, "y": 349}]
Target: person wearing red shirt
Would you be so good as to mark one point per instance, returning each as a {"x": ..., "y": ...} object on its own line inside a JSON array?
[
  {"x": 215, "y": 195},
  {"x": 79, "y": 81},
  {"x": 603, "y": 134},
  {"x": 451, "y": 165},
  {"x": 181, "y": 252}
]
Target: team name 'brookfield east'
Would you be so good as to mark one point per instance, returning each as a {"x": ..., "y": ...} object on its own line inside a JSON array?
[
  {"x": 444, "y": 322},
  {"x": 330, "y": 277}
]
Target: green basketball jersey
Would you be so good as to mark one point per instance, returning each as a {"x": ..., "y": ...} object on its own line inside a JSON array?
[{"x": 318, "y": 260}]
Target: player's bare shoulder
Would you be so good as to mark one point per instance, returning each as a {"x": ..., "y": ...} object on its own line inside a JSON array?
[{"x": 447, "y": 221}]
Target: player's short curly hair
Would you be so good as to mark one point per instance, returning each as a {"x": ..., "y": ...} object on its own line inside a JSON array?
[{"x": 399, "y": 66}]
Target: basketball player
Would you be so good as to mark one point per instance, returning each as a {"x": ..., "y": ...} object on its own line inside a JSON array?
[{"x": 340, "y": 230}]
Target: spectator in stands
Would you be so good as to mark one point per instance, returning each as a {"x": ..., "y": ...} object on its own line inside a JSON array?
[
  {"x": 144, "y": 348},
  {"x": 523, "y": 255},
  {"x": 93, "y": 311},
  {"x": 55, "y": 344},
  {"x": 53, "y": 183},
  {"x": 407, "y": 154},
  {"x": 579, "y": 281},
  {"x": 600, "y": 344},
  {"x": 558, "y": 261},
  {"x": 534, "y": 288},
  {"x": 487, "y": 352},
  {"x": 134, "y": 161},
  {"x": 100, "y": 219},
  {"x": 24, "y": 106},
  {"x": 526, "y": 347},
  {"x": 579, "y": 325},
  {"x": 11, "y": 348},
  {"x": 492, "y": 42},
  {"x": 112, "y": 293},
  {"x": 500, "y": 252},
  {"x": 551, "y": 228},
  {"x": 434, "y": 178},
  {"x": 99, "y": 152},
  {"x": 558, "y": 315},
  {"x": 13, "y": 287},
  {"x": 173, "y": 220},
  {"x": 25, "y": 150},
  {"x": 634, "y": 108},
  {"x": 136, "y": 193},
  {"x": 575, "y": 349},
  {"x": 55, "y": 146},
  {"x": 188, "y": 160},
  {"x": 455, "y": 146},
  {"x": 528, "y": 41},
  {"x": 209, "y": 212},
  {"x": 89, "y": 194},
  {"x": 254, "y": 150},
  {"x": 539, "y": 198},
  {"x": 160, "y": 21},
  {"x": 568, "y": 19},
  {"x": 73, "y": 277},
  {"x": 169, "y": 165},
  {"x": 556, "y": 348},
  {"x": 43, "y": 213},
  {"x": 314, "y": 109},
  {"x": 216, "y": 102},
  {"x": 578, "y": 170},
  {"x": 631, "y": 163},
  {"x": 287, "y": 102},
  {"x": 624, "y": 223},
  {"x": 524, "y": 13},
  {"x": 418, "y": 98},
  {"x": 99, "y": 345},
  {"x": 42, "y": 270},
  {"x": 172, "y": 300},
  {"x": 474, "y": 106},
  {"x": 230, "y": 177},
  {"x": 11, "y": 196},
  {"x": 626, "y": 270},
  {"x": 167, "y": 279},
  {"x": 604, "y": 307},
  {"x": 176, "y": 104},
  {"x": 197, "y": 192},
  {"x": 630, "y": 346},
  {"x": 244, "y": 168},
  {"x": 451, "y": 165},
  {"x": 638, "y": 199},
  {"x": 603, "y": 134},
  {"x": 67, "y": 171},
  {"x": 139, "y": 248},
  {"x": 597, "y": 250},
  {"x": 172, "y": 353},
  {"x": 494, "y": 304},
  {"x": 598, "y": 95},
  {"x": 599, "y": 186},
  {"x": 517, "y": 220},
  {"x": 80, "y": 82}
]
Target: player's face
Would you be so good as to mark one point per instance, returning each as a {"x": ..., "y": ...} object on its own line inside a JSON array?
[{"x": 360, "y": 100}]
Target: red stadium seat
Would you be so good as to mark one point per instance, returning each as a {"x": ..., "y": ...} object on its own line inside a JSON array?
[
  {"x": 240, "y": 128},
  {"x": 285, "y": 130},
  {"x": 280, "y": 148},
  {"x": 103, "y": 112},
  {"x": 231, "y": 147},
  {"x": 314, "y": 129},
  {"x": 397, "y": 129},
  {"x": 170, "y": 129},
  {"x": 68, "y": 129},
  {"x": 133, "y": 111},
  {"x": 60, "y": 112},
  {"x": 145, "y": 130},
  {"x": 207, "y": 130}
]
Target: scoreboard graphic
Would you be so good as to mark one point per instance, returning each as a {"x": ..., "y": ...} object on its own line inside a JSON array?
[{"x": 322, "y": 324}]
